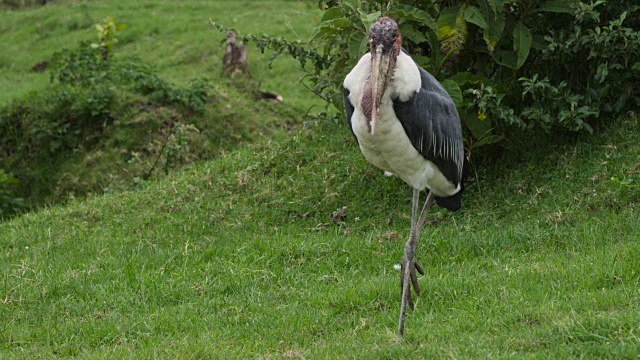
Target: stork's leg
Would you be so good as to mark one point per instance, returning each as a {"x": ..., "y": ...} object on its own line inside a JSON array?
[
  {"x": 408, "y": 265},
  {"x": 425, "y": 210}
]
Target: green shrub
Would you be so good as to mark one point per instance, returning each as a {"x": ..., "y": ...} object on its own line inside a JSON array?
[
  {"x": 10, "y": 203},
  {"x": 20, "y": 4},
  {"x": 84, "y": 67},
  {"x": 549, "y": 65},
  {"x": 596, "y": 69},
  {"x": 91, "y": 94}
]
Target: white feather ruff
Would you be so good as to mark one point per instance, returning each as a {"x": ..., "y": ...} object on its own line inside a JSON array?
[{"x": 390, "y": 148}]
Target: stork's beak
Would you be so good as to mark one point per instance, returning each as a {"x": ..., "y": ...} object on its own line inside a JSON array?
[{"x": 382, "y": 64}]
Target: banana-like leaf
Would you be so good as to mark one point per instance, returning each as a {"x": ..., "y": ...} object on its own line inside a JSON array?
[
  {"x": 521, "y": 43},
  {"x": 454, "y": 91},
  {"x": 358, "y": 42},
  {"x": 506, "y": 58},
  {"x": 493, "y": 5},
  {"x": 452, "y": 29},
  {"x": 473, "y": 15},
  {"x": 464, "y": 77},
  {"x": 493, "y": 34},
  {"x": 424, "y": 62},
  {"x": 368, "y": 19},
  {"x": 493, "y": 13},
  {"x": 330, "y": 28},
  {"x": 414, "y": 14},
  {"x": 409, "y": 32},
  {"x": 331, "y": 14},
  {"x": 557, "y": 6}
]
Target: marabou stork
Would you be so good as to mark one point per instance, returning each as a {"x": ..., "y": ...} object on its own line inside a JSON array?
[{"x": 406, "y": 124}]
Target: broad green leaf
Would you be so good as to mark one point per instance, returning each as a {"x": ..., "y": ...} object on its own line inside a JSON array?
[
  {"x": 331, "y": 14},
  {"x": 557, "y": 6},
  {"x": 452, "y": 29},
  {"x": 521, "y": 43},
  {"x": 506, "y": 58},
  {"x": 491, "y": 9},
  {"x": 477, "y": 122},
  {"x": 339, "y": 24},
  {"x": 493, "y": 34},
  {"x": 497, "y": 6},
  {"x": 493, "y": 13},
  {"x": 407, "y": 12},
  {"x": 410, "y": 33},
  {"x": 454, "y": 91},
  {"x": 622, "y": 17},
  {"x": 352, "y": 5},
  {"x": 636, "y": 66},
  {"x": 602, "y": 72},
  {"x": 473, "y": 15},
  {"x": 538, "y": 42},
  {"x": 368, "y": 19},
  {"x": 358, "y": 42},
  {"x": 487, "y": 139},
  {"x": 464, "y": 77},
  {"x": 436, "y": 56},
  {"x": 423, "y": 62},
  {"x": 331, "y": 28}
]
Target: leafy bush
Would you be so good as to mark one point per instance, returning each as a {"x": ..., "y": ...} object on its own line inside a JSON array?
[
  {"x": 91, "y": 94},
  {"x": 556, "y": 64},
  {"x": 84, "y": 67},
  {"x": 20, "y": 4},
  {"x": 10, "y": 203},
  {"x": 107, "y": 32},
  {"x": 595, "y": 70}
]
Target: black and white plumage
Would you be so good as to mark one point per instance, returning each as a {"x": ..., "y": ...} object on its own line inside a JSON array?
[{"x": 406, "y": 124}]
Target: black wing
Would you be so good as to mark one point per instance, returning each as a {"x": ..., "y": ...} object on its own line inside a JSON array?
[
  {"x": 432, "y": 124},
  {"x": 348, "y": 108}
]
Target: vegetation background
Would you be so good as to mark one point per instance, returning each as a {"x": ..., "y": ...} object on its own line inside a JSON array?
[{"x": 153, "y": 208}]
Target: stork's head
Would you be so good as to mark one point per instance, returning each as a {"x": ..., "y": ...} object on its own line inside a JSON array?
[{"x": 384, "y": 42}]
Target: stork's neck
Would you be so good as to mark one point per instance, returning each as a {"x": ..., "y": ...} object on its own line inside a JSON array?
[
  {"x": 404, "y": 83},
  {"x": 367, "y": 100},
  {"x": 406, "y": 79}
]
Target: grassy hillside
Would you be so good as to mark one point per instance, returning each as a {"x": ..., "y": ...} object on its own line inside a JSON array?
[
  {"x": 175, "y": 36},
  {"x": 61, "y": 141},
  {"x": 286, "y": 250}
]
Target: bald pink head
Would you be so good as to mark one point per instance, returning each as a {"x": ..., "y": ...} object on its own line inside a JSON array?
[{"x": 384, "y": 42}]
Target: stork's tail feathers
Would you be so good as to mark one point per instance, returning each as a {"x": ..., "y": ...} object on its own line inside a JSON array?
[{"x": 454, "y": 201}]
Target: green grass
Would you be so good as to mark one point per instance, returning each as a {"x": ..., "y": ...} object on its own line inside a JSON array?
[
  {"x": 240, "y": 258},
  {"x": 175, "y": 36},
  {"x": 178, "y": 41}
]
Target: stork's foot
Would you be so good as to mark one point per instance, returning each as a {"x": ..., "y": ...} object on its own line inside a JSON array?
[
  {"x": 408, "y": 277},
  {"x": 408, "y": 265},
  {"x": 411, "y": 278}
]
